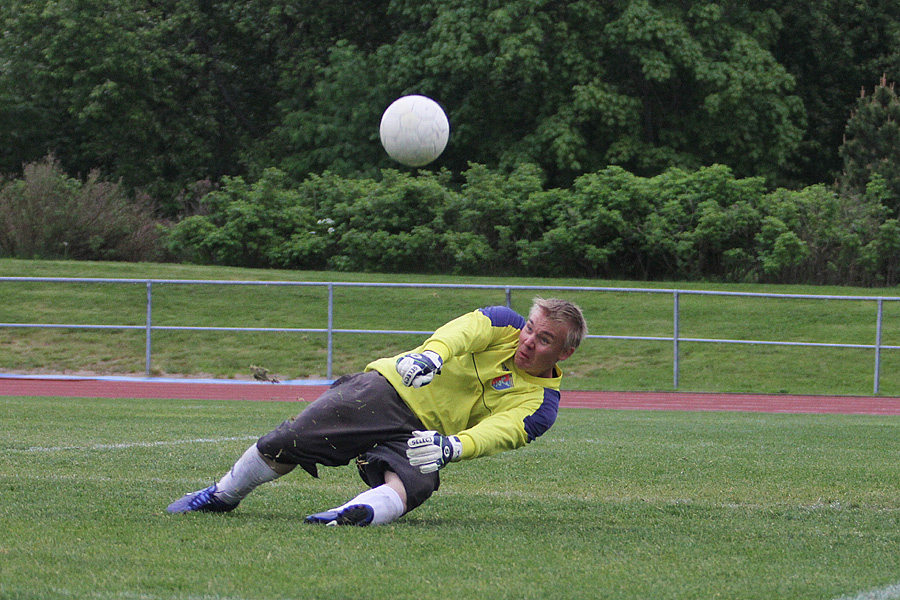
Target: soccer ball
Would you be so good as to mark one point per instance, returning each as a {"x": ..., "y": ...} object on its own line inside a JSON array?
[{"x": 414, "y": 130}]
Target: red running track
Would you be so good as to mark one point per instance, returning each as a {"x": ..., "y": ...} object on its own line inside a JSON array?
[{"x": 292, "y": 392}]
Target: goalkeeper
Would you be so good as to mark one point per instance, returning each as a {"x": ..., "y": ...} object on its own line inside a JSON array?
[{"x": 483, "y": 383}]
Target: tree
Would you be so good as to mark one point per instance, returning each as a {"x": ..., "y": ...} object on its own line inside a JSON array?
[
  {"x": 832, "y": 48},
  {"x": 871, "y": 147},
  {"x": 106, "y": 86},
  {"x": 158, "y": 94},
  {"x": 166, "y": 93},
  {"x": 572, "y": 87}
]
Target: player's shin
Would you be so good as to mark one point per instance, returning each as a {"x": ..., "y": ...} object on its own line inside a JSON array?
[
  {"x": 249, "y": 472},
  {"x": 385, "y": 502}
]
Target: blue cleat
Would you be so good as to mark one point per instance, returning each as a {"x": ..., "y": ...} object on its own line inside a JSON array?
[
  {"x": 356, "y": 514},
  {"x": 200, "y": 501}
]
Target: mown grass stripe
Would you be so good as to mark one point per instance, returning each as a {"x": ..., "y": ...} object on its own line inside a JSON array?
[
  {"x": 127, "y": 445},
  {"x": 889, "y": 592}
]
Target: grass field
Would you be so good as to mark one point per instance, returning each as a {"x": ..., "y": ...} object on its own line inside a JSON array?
[
  {"x": 599, "y": 364},
  {"x": 608, "y": 504}
]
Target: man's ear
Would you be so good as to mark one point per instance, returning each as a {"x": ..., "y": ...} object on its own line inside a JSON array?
[{"x": 565, "y": 354}]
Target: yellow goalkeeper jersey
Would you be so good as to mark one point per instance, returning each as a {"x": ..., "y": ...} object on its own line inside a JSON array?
[{"x": 480, "y": 395}]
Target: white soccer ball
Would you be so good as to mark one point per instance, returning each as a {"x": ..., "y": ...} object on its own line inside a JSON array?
[{"x": 414, "y": 130}]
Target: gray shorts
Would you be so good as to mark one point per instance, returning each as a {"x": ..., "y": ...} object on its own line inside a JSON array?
[{"x": 360, "y": 417}]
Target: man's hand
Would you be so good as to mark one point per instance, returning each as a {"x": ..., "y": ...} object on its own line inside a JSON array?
[
  {"x": 419, "y": 369},
  {"x": 431, "y": 451}
]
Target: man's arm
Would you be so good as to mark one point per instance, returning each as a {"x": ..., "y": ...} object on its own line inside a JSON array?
[{"x": 473, "y": 332}]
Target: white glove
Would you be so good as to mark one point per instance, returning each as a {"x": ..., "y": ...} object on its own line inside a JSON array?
[
  {"x": 419, "y": 369},
  {"x": 431, "y": 451}
]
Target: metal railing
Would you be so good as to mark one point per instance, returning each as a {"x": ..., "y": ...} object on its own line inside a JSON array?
[{"x": 675, "y": 339}]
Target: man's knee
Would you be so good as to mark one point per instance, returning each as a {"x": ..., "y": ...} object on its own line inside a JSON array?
[
  {"x": 272, "y": 447},
  {"x": 282, "y": 453},
  {"x": 280, "y": 468},
  {"x": 419, "y": 488}
]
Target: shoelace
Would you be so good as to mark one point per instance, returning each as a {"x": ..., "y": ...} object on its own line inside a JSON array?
[{"x": 202, "y": 498}]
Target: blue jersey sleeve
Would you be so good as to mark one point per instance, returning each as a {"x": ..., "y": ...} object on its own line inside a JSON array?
[
  {"x": 501, "y": 316},
  {"x": 543, "y": 418}
]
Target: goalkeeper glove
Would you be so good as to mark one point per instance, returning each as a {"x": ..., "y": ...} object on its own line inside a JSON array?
[
  {"x": 431, "y": 451},
  {"x": 419, "y": 369}
]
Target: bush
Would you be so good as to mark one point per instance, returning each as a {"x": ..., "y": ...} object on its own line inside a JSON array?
[
  {"x": 697, "y": 220},
  {"x": 46, "y": 214},
  {"x": 244, "y": 225},
  {"x": 394, "y": 225},
  {"x": 689, "y": 225},
  {"x": 591, "y": 229},
  {"x": 816, "y": 235}
]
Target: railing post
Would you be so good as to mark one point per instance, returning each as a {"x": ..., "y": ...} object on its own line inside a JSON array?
[
  {"x": 330, "y": 330},
  {"x": 675, "y": 341},
  {"x": 149, "y": 327},
  {"x": 878, "y": 344},
  {"x": 508, "y": 298}
]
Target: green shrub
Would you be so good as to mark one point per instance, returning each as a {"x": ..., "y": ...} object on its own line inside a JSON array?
[
  {"x": 816, "y": 235},
  {"x": 242, "y": 224},
  {"x": 696, "y": 220},
  {"x": 588, "y": 227},
  {"x": 46, "y": 214},
  {"x": 391, "y": 225},
  {"x": 689, "y": 225}
]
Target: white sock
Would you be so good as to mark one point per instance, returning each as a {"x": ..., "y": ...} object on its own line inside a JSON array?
[
  {"x": 384, "y": 501},
  {"x": 247, "y": 474}
]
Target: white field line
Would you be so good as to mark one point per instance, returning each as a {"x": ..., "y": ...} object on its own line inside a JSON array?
[
  {"x": 128, "y": 445},
  {"x": 128, "y": 595},
  {"x": 888, "y": 592}
]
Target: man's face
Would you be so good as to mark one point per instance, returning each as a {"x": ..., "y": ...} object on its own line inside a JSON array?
[{"x": 542, "y": 344}]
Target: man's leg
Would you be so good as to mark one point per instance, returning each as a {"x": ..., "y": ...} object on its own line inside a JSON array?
[
  {"x": 392, "y": 480},
  {"x": 376, "y": 506},
  {"x": 250, "y": 471},
  {"x": 396, "y": 488},
  {"x": 301, "y": 440}
]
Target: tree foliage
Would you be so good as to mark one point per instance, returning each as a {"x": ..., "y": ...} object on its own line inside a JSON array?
[
  {"x": 832, "y": 48},
  {"x": 166, "y": 93},
  {"x": 572, "y": 87},
  {"x": 871, "y": 148},
  {"x": 158, "y": 94},
  {"x": 628, "y": 138}
]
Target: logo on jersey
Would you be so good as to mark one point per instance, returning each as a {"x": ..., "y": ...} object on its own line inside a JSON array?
[{"x": 504, "y": 382}]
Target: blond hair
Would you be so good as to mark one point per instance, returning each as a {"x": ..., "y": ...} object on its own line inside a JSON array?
[{"x": 565, "y": 312}]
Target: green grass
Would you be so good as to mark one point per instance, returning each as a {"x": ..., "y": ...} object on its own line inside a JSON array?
[
  {"x": 609, "y": 504},
  {"x": 599, "y": 364}
]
